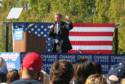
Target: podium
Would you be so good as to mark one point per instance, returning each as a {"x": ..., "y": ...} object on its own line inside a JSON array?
[{"x": 28, "y": 42}]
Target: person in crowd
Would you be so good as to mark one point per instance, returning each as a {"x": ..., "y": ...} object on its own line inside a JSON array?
[
  {"x": 116, "y": 73},
  {"x": 81, "y": 60},
  {"x": 61, "y": 72},
  {"x": 3, "y": 70},
  {"x": 59, "y": 32},
  {"x": 12, "y": 75},
  {"x": 30, "y": 69},
  {"x": 45, "y": 77},
  {"x": 98, "y": 68},
  {"x": 96, "y": 79},
  {"x": 123, "y": 81},
  {"x": 83, "y": 68}
]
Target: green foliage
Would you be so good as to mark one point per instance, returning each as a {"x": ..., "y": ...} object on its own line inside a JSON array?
[
  {"x": 93, "y": 11},
  {"x": 1, "y": 39}
]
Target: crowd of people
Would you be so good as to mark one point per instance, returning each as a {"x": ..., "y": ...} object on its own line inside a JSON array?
[{"x": 62, "y": 72}]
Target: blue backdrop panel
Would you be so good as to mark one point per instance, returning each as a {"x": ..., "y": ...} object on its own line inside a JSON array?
[
  {"x": 106, "y": 61},
  {"x": 12, "y": 60}
]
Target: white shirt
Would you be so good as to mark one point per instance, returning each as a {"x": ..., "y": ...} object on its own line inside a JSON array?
[{"x": 57, "y": 28}]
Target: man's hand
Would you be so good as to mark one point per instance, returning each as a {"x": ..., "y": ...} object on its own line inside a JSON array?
[{"x": 67, "y": 18}]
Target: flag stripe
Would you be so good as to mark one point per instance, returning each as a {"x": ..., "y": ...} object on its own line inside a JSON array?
[
  {"x": 92, "y": 51},
  {"x": 92, "y": 29},
  {"x": 90, "y": 38},
  {"x": 93, "y": 25},
  {"x": 91, "y": 33},
  {"x": 91, "y": 42},
  {"x": 92, "y": 47}
]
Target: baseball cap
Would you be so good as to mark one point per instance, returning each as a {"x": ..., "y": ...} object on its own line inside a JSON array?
[
  {"x": 32, "y": 61},
  {"x": 117, "y": 72}
]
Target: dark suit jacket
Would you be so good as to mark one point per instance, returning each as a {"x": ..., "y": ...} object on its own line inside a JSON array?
[{"x": 63, "y": 35}]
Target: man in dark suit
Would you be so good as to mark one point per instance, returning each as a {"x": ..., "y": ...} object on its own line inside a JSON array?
[{"x": 60, "y": 34}]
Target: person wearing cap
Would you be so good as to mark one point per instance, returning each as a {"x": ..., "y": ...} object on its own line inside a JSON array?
[
  {"x": 116, "y": 73},
  {"x": 30, "y": 69},
  {"x": 59, "y": 32}
]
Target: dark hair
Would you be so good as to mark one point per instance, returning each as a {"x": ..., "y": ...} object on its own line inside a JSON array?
[
  {"x": 81, "y": 60},
  {"x": 2, "y": 77},
  {"x": 58, "y": 14},
  {"x": 61, "y": 72},
  {"x": 98, "y": 68},
  {"x": 82, "y": 70},
  {"x": 12, "y": 76}
]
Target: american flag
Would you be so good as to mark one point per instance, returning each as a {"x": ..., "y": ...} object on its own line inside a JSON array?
[
  {"x": 92, "y": 38},
  {"x": 39, "y": 29}
]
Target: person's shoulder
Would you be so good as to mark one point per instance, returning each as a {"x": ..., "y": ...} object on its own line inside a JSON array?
[
  {"x": 63, "y": 22},
  {"x": 21, "y": 81}
]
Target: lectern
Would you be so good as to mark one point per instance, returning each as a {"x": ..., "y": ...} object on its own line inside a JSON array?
[{"x": 25, "y": 42}]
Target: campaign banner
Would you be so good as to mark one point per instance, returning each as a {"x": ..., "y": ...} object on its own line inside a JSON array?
[
  {"x": 12, "y": 60},
  {"x": 106, "y": 60}
]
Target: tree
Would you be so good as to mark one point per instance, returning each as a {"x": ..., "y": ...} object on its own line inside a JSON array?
[
  {"x": 116, "y": 14},
  {"x": 93, "y": 11}
]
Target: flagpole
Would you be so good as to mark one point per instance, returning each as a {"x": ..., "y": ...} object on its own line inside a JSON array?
[
  {"x": 6, "y": 36},
  {"x": 116, "y": 38}
]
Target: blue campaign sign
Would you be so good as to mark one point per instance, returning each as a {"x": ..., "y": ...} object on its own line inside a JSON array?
[
  {"x": 12, "y": 60},
  {"x": 106, "y": 61},
  {"x": 48, "y": 60},
  {"x": 68, "y": 57},
  {"x": 78, "y": 56},
  {"x": 18, "y": 34}
]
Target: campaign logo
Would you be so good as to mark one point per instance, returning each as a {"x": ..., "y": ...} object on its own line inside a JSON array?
[{"x": 12, "y": 60}]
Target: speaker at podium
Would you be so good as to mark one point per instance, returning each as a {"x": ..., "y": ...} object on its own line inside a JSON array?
[{"x": 24, "y": 41}]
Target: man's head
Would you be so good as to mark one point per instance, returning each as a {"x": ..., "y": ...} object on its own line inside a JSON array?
[
  {"x": 83, "y": 69},
  {"x": 58, "y": 17},
  {"x": 61, "y": 72},
  {"x": 12, "y": 75},
  {"x": 31, "y": 65}
]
